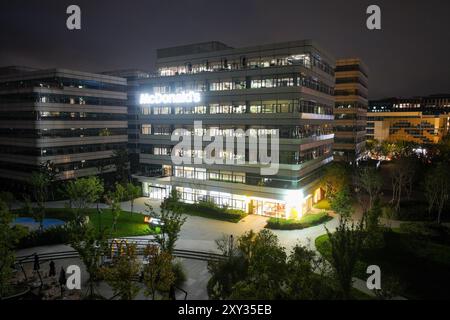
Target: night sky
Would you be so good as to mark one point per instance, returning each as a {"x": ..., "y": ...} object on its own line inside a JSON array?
[{"x": 409, "y": 56}]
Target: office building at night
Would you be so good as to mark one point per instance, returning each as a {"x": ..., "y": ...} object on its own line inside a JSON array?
[
  {"x": 351, "y": 94},
  {"x": 283, "y": 89},
  {"x": 423, "y": 120},
  {"x": 132, "y": 76},
  {"x": 71, "y": 119}
]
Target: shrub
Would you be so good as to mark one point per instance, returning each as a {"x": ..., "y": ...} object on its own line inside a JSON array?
[
  {"x": 180, "y": 275},
  {"x": 50, "y": 236},
  {"x": 410, "y": 210},
  {"x": 388, "y": 212},
  {"x": 323, "y": 205},
  {"x": 306, "y": 221},
  {"x": 427, "y": 231},
  {"x": 213, "y": 211}
]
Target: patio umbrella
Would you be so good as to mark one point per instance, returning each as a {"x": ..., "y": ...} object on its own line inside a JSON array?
[
  {"x": 62, "y": 279},
  {"x": 36, "y": 265},
  {"x": 52, "y": 271}
]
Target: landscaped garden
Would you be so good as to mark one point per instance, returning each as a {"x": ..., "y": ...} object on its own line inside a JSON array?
[
  {"x": 415, "y": 258},
  {"x": 307, "y": 221},
  {"x": 128, "y": 224}
]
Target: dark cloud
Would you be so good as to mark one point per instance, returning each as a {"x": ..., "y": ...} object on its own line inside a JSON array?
[{"x": 408, "y": 57}]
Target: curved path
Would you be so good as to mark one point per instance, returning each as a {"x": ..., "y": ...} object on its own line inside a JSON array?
[{"x": 200, "y": 233}]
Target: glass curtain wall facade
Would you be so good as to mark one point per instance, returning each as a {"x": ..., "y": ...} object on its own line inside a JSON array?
[
  {"x": 285, "y": 89},
  {"x": 73, "y": 120}
]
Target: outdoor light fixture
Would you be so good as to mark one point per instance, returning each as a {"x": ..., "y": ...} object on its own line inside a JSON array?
[{"x": 158, "y": 98}]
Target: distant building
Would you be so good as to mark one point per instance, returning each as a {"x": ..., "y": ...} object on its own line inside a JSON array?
[
  {"x": 424, "y": 120},
  {"x": 407, "y": 126},
  {"x": 351, "y": 94},
  {"x": 432, "y": 104},
  {"x": 74, "y": 120}
]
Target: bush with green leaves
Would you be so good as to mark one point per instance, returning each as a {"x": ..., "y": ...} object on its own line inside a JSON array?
[
  {"x": 82, "y": 193},
  {"x": 9, "y": 236},
  {"x": 306, "y": 221},
  {"x": 179, "y": 273},
  {"x": 50, "y": 236},
  {"x": 210, "y": 210},
  {"x": 256, "y": 266}
]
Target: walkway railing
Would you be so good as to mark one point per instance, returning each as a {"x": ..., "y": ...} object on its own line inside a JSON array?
[{"x": 72, "y": 254}]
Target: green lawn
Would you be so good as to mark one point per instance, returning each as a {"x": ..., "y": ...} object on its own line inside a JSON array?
[
  {"x": 308, "y": 220},
  {"x": 323, "y": 205},
  {"x": 127, "y": 225},
  {"x": 420, "y": 265}
]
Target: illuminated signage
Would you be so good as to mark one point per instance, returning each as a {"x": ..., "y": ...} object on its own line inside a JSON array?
[{"x": 158, "y": 98}]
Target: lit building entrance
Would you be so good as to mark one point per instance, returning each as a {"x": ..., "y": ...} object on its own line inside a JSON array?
[{"x": 268, "y": 208}]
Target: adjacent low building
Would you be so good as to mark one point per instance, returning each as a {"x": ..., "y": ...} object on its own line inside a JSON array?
[
  {"x": 423, "y": 120},
  {"x": 411, "y": 126},
  {"x": 283, "y": 89},
  {"x": 71, "y": 119},
  {"x": 351, "y": 94}
]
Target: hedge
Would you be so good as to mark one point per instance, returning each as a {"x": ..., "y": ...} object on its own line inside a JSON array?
[
  {"x": 306, "y": 221},
  {"x": 212, "y": 211}
]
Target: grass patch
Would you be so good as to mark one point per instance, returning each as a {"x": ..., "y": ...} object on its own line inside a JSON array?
[
  {"x": 128, "y": 225},
  {"x": 421, "y": 266},
  {"x": 306, "y": 221},
  {"x": 212, "y": 211},
  {"x": 323, "y": 205}
]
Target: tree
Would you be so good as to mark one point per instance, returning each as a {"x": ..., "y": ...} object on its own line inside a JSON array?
[
  {"x": 82, "y": 193},
  {"x": 132, "y": 192},
  {"x": 346, "y": 243},
  {"x": 308, "y": 276},
  {"x": 91, "y": 245},
  {"x": 9, "y": 236},
  {"x": 121, "y": 162},
  {"x": 158, "y": 273},
  {"x": 50, "y": 171},
  {"x": 374, "y": 230},
  {"x": 341, "y": 203},
  {"x": 113, "y": 199},
  {"x": 402, "y": 180},
  {"x": 371, "y": 182},
  {"x": 227, "y": 272},
  {"x": 123, "y": 273},
  {"x": 7, "y": 198},
  {"x": 37, "y": 213},
  {"x": 171, "y": 220},
  {"x": 40, "y": 183},
  {"x": 370, "y": 145},
  {"x": 337, "y": 177},
  {"x": 387, "y": 149},
  {"x": 437, "y": 189},
  {"x": 443, "y": 150},
  {"x": 266, "y": 267},
  {"x": 255, "y": 266}
]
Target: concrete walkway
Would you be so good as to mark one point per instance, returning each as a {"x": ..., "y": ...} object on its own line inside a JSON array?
[{"x": 200, "y": 234}]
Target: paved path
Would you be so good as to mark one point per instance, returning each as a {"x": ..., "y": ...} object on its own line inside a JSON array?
[{"x": 200, "y": 234}]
